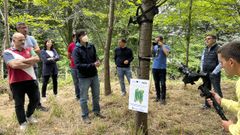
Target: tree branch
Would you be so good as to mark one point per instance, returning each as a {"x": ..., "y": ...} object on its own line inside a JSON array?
[{"x": 160, "y": 3}]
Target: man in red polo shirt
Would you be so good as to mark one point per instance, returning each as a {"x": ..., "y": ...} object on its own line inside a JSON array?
[{"x": 22, "y": 78}]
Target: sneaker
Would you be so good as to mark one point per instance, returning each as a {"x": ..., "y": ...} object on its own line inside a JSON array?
[
  {"x": 163, "y": 102},
  {"x": 86, "y": 120},
  {"x": 123, "y": 94},
  {"x": 44, "y": 99},
  {"x": 157, "y": 100},
  {"x": 23, "y": 126},
  {"x": 99, "y": 115},
  {"x": 42, "y": 108},
  {"x": 77, "y": 98},
  {"x": 31, "y": 120}
]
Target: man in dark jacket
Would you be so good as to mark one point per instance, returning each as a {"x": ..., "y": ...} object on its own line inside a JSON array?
[
  {"x": 123, "y": 57},
  {"x": 211, "y": 66},
  {"x": 86, "y": 62}
]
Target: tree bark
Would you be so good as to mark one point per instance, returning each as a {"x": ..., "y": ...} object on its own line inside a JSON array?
[
  {"x": 6, "y": 39},
  {"x": 107, "y": 84},
  {"x": 188, "y": 37},
  {"x": 145, "y": 36}
]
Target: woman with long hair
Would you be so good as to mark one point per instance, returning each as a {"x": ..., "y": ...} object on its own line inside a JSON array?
[{"x": 49, "y": 57}]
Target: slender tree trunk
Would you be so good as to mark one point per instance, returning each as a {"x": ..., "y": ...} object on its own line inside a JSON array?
[
  {"x": 6, "y": 39},
  {"x": 107, "y": 85},
  {"x": 188, "y": 37},
  {"x": 145, "y": 36}
]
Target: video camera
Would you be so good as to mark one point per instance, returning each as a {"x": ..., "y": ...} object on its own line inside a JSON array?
[
  {"x": 206, "y": 93},
  {"x": 190, "y": 76}
]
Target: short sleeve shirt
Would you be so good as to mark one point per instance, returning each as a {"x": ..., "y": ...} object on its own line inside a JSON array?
[
  {"x": 160, "y": 61},
  {"x": 70, "y": 50},
  {"x": 30, "y": 42},
  {"x": 18, "y": 75}
]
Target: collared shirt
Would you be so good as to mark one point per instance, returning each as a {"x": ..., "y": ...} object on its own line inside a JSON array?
[
  {"x": 18, "y": 75},
  {"x": 30, "y": 42},
  {"x": 234, "y": 106}
]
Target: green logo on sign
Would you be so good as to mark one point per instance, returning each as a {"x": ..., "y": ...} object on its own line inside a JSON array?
[{"x": 138, "y": 96}]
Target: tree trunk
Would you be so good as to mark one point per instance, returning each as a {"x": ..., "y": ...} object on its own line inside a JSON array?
[
  {"x": 107, "y": 84},
  {"x": 188, "y": 37},
  {"x": 6, "y": 39},
  {"x": 145, "y": 36}
]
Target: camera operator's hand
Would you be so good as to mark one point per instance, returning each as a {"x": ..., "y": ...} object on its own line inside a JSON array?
[
  {"x": 226, "y": 124},
  {"x": 216, "y": 96}
]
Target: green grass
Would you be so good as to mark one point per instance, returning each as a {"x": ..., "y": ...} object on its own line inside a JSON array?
[{"x": 181, "y": 116}]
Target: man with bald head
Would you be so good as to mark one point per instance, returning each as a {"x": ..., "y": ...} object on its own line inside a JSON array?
[{"x": 22, "y": 79}]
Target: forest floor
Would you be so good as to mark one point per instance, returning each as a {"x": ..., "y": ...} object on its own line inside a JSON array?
[{"x": 182, "y": 115}]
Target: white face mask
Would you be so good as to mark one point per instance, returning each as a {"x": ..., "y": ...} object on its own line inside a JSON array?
[{"x": 85, "y": 38}]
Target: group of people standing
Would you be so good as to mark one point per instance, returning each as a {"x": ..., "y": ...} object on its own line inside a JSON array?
[{"x": 22, "y": 58}]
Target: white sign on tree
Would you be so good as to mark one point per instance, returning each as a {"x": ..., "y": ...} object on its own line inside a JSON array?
[{"x": 138, "y": 95}]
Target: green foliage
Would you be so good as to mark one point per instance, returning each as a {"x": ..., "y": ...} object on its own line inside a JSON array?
[
  {"x": 56, "y": 109},
  {"x": 57, "y": 19}
]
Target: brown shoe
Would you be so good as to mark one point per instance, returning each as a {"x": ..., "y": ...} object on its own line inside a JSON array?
[
  {"x": 99, "y": 115},
  {"x": 86, "y": 120}
]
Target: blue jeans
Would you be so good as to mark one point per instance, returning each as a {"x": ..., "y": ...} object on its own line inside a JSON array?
[
  {"x": 121, "y": 72},
  {"x": 75, "y": 81},
  {"x": 92, "y": 82}
]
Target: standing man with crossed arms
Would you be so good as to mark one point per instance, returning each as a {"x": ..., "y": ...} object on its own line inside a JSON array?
[{"x": 22, "y": 79}]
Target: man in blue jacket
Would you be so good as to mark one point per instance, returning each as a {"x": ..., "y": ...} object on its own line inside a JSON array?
[{"x": 86, "y": 62}]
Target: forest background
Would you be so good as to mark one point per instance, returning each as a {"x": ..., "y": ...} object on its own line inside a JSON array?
[
  {"x": 183, "y": 23},
  {"x": 57, "y": 20}
]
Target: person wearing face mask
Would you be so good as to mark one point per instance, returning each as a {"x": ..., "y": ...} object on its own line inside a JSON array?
[
  {"x": 49, "y": 57},
  {"x": 211, "y": 66},
  {"x": 86, "y": 62},
  {"x": 22, "y": 79}
]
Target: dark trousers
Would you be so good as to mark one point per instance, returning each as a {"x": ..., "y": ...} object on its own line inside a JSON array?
[
  {"x": 36, "y": 73},
  {"x": 45, "y": 83},
  {"x": 19, "y": 90},
  {"x": 159, "y": 76},
  {"x": 213, "y": 80}
]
